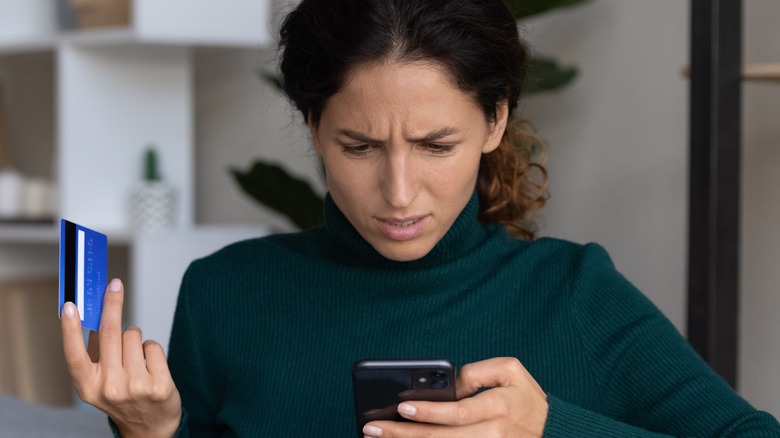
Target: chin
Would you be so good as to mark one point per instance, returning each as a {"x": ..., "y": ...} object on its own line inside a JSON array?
[{"x": 404, "y": 252}]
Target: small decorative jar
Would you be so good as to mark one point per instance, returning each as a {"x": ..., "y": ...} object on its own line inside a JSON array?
[{"x": 153, "y": 200}]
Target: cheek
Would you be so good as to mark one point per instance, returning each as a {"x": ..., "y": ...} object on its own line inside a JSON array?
[
  {"x": 348, "y": 185},
  {"x": 462, "y": 174}
]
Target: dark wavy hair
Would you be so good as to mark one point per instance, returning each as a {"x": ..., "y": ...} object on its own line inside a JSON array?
[{"x": 477, "y": 43}]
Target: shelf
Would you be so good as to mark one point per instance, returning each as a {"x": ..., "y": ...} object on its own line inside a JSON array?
[
  {"x": 28, "y": 45},
  {"x": 114, "y": 37},
  {"x": 209, "y": 23},
  {"x": 38, "y": 232},
  {"x": 20, "y": 232},
  {"x": 130, "y": 36},
  {"x": 99, "y": 37},
  {"x": 761, "y": 72},
  {"x": 758, "y": 71}
]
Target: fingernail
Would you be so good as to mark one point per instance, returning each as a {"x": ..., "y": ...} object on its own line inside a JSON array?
[
  {"x": 372, "y": 431},
  {"x": 69, "y": 309},
  {"x": 115, "y": 285},
  {"x": 406, "y": 409}
]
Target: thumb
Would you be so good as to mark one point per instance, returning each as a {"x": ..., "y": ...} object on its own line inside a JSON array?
[{"x": 73, "y": 340}]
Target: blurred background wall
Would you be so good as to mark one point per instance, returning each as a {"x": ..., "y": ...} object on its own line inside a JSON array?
[{"x": 617, "y": 155}]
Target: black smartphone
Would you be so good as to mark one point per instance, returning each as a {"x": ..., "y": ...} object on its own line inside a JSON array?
[{"x": 380, "y": 385}]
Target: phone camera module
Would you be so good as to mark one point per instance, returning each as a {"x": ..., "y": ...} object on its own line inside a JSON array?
[
  {"x": 438, "y": 380},
  {"x": 431, "y": 379}
]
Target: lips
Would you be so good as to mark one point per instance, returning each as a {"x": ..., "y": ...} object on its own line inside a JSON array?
[
  {"x": 402, "y": 229},
  {"x": 404, "y": 223}
]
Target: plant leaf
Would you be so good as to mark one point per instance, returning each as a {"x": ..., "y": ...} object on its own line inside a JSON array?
[
  {"x": 272, "y": 186},
  {"x": 522, "y": 9},
  {"x": 273, "y": 80},
  {"x": 545, "y": 74}
]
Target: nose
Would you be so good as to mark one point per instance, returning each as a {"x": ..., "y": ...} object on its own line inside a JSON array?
[{"x": 399, "y": 179}]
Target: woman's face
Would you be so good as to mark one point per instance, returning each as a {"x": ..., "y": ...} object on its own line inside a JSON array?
[{"x": 401, "y": 147}]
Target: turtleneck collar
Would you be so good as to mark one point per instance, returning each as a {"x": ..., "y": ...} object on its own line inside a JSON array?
[{"x": 349, "y": 247}]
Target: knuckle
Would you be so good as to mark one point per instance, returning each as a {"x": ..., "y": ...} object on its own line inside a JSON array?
[
  {"x": 513, "y": 365},
  {"x": 138, "y": 389},
  {"x": 115, "y": 393},
  {"x": 503, "y": 408},
  {"x": 132, "y": 334},
  {"x": 110, "y": 333},
  {"x": 467, "y": 371},
  {"x": 160, "y": 392},
  {"x": 152, "y": 346},
  {"x": 462, "y": 414}
]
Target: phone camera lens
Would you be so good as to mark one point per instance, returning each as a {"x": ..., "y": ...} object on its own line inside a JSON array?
[{"x": 438, "y": 380}]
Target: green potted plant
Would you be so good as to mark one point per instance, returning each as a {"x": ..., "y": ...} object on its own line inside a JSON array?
[
  {"x": 153, "y": 199},
  {"x": 301, "y": 204}
]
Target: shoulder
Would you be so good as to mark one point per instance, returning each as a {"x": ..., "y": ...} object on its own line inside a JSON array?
[
  {"x": 565, "y": 256},
  {"x": 586, "y": 276},
  {"x": 577, "y": 273},
  {"x": 587, "y": 264},
  {"x": 249, "y": 260},
  {"x": 260, "y": 249}
]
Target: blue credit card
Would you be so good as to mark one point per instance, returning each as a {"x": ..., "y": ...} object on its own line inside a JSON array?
[{"x": 83, "y": 263}]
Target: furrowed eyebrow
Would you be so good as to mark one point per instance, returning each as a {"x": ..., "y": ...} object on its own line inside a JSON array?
[
  {"x": 358, "y": 136},
  {"x": 431, "y": 136}
]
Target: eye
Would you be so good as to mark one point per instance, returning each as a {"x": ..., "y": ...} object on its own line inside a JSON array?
[
  {"x": 436, "y": 148},
  {"x": 360, "y": 150}
]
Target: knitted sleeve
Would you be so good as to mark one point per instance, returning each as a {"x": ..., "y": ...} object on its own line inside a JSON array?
[
  {"x": 188, "y": 367},
  {"x": 650, "y": 377}
]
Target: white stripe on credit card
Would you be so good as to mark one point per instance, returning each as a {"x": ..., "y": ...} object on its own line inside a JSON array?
[{"x": 80, "y": 274}]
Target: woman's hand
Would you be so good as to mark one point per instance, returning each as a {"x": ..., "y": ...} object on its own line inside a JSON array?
[
  {"x": 123, "y": 377},
  {"x": 515, "y": 406}
]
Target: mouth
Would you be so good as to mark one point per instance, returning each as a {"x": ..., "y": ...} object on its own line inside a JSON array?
[
  {"x": 402, "y": 229},
  {"x": 403, "y": 224}
]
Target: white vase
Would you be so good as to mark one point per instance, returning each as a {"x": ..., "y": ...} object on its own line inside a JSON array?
[{"x": 153, "y": 207}]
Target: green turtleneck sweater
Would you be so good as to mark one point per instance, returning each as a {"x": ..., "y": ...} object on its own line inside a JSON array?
[{"x": 266, "y": 331}]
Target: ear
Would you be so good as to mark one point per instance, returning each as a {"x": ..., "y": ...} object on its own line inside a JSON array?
[{"x": 497, "y": 128}]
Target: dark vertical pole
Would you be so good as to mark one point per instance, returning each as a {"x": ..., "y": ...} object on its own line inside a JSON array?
[{"x": 715, "y": 120}]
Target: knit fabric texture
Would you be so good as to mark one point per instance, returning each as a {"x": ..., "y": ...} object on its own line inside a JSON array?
[{"x": 266, "y": 332}]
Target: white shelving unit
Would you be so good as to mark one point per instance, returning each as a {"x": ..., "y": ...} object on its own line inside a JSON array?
[
  {"x": 113, "y": 92},
  {"x": 118, "y": 91}
]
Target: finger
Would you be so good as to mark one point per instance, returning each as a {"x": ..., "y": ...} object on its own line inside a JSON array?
[
  {"x": 93, "y": 346},
  {"x": 158, "y": 368},
  {"x": 156, "y": 362},
  {"x": 132, "y": 351},
  {"x": 499, "y": 371},
  {"x": 110, "y": 331},
  {"x": 73, "y": 342},
  {"x": 390, "y": 429},
  {"x": 461, "y": 413}
]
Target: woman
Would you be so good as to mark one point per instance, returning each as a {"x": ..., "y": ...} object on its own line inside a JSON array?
[{"x": 427, "y": 251}]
